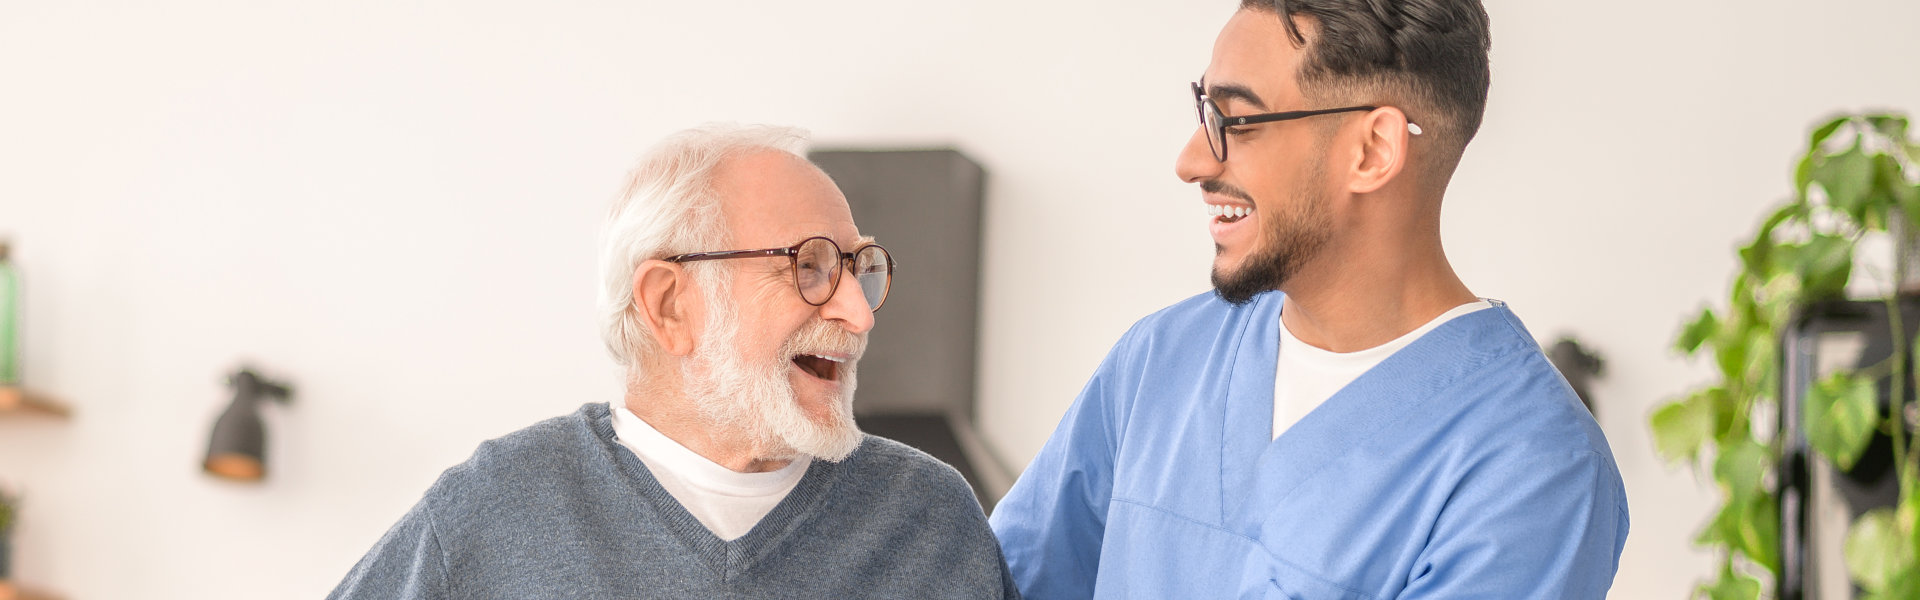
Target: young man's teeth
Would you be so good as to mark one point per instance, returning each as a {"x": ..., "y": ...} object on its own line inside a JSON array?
[{"x": 1230, "y": 212}]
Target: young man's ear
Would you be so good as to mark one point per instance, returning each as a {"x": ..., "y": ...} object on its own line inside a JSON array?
[
  {"x": 1383, "y": 151},
  {"x": 665, "y": 299}
]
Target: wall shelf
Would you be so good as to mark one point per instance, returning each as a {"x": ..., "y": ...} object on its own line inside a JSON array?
[
  {"x": 15, "y": 400},
  {"x": 9, "y": 592},
  {"x": 19, "y": 401}
]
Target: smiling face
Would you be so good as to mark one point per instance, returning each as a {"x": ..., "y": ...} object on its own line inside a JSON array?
[
  {"x": 1268, "y": 204},
  {"x": 768, "y": 362}
]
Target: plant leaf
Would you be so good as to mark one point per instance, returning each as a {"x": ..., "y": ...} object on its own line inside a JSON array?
[
  {"x": 1821, "y": 133},
  {"x": 1696, "y": 332},
  {"x": 1824, "y": 266},
  {"x": 1803, "y": 174},
  {"x": 1758, "y": 256},
  {"x": 1755, "y": 529},
  {"x": 1908, "y": 195},
  {"x": 1890, "y": 182},
  {"x": 1741, "y": 467},
  {"x": 1680, "y": 427},
  {"x": 1776, "y": 303},
  {"x": 1760, "y": 359},
  {"x": 1848, "y": 179},
  {"x": 1721, "y": 530},
  {"x": 1802, "y": 177},
  {"x": 1905, "y": 586},
  {"x": 1734, "y": 586},
  {"x": 1750, "y": 525},
  {"x": 1878, "y": 550},
  {"x": 1786, "y": 260},
  {"x": 1842, "y": 411},
  {"x": 1732, "y": 343},
  {"x": 1892, "y": 126}
]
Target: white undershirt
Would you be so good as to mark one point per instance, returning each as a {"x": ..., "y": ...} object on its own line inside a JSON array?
[
  {"x": 727, "y": 502},
  {"x": 1307, "y": 376}
]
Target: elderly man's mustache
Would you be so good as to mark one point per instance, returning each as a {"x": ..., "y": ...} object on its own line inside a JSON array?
[{"x": 824, "y": 349}]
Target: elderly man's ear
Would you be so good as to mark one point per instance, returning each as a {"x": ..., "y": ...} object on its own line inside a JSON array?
[{"x": 663, "y": 294}]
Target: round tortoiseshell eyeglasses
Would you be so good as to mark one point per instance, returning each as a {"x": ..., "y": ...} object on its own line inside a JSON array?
[{"x": 817, "y": 264}]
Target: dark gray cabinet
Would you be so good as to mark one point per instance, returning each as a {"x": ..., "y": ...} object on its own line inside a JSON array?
[{"x": 917, "y": 378}]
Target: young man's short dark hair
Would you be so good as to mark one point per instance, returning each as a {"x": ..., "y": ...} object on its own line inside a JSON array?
[{"x": 1431, "y": 54}]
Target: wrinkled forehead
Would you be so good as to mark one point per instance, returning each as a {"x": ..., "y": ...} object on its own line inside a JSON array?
[{"x": 772, "y": 199}]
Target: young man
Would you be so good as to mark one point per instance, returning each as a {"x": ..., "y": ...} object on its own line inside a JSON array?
[
  {"x": 737, "y": 293},
  {"x": 1373, "y": 430}
]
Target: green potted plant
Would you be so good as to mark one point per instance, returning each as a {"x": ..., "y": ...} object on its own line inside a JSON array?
[{"x": 1857, "y": 180}]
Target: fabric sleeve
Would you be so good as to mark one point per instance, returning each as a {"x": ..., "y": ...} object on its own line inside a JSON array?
[
  {"x": 1051, "y": 523},
  {"x": 1549, "y": 527},
  {"x": 407, "y": 563}
]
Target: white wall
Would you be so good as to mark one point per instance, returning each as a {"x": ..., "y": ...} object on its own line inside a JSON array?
[{"x": 395, "y": 207}]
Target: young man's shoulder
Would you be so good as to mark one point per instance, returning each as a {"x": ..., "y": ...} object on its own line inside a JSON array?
[
  {"x": 1204, "y": 318},
  {"x": 1201, "y": 308},
  {"x": 1524, "y": 405}
]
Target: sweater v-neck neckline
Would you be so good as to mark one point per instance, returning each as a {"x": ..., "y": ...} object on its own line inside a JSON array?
[{"x": 727, "y": 559}]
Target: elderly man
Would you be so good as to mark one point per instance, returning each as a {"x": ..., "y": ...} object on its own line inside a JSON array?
[
  {"x": 1342, "y": 418},
  {"x": 737, "y": 293}
]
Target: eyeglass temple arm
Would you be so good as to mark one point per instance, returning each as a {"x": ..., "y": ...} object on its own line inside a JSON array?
[
  {"x": 694, "y": 256},
  {"x": 1290, "y": 115},
  {"x": 1301, "y": 114}
]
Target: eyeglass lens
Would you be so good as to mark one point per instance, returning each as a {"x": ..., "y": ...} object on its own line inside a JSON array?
[
  {"x": 817, "y": 269},
  {"x": 1214, "y": 124}
]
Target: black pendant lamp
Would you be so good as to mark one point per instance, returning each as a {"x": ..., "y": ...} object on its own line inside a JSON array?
[{"x": 238, "y": 449}]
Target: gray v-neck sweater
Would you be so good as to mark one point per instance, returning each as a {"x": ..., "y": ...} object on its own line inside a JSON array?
[{"x": 561, "y": 510}]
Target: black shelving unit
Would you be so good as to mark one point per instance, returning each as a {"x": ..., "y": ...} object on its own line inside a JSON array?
[{"x": 1871, "y": 482}]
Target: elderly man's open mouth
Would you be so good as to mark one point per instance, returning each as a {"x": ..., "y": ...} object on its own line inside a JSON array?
[{"x": 820, "y": 366}]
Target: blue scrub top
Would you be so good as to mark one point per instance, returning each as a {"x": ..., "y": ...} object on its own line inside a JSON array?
[{"x": 1463, "y": 466}]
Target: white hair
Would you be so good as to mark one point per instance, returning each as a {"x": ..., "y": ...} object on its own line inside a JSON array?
[{"x": 670, "y": 207}]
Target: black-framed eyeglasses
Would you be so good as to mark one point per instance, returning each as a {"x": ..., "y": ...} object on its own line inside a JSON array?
[
  {"x": 817, "y": 264},
  {"x": 1215, "y": 123}
]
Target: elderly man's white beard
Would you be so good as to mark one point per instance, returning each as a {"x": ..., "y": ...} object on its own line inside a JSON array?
[{"x": 756, "y": 397}]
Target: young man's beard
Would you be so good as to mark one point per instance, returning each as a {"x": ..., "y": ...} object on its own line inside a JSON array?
[
  {"x": 755, "y": 396},
  {"x": 1289, "y": 237}
]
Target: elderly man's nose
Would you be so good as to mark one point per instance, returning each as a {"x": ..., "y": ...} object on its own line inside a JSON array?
[{"x": 849, "y": 305}]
